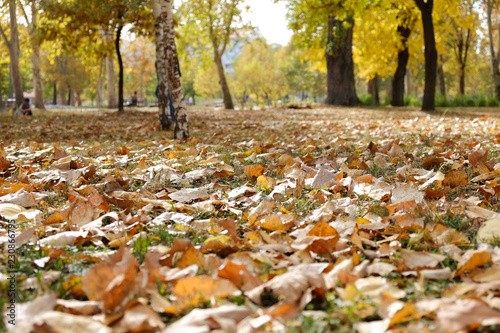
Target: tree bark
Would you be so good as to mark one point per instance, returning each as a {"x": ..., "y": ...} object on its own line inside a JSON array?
[
  {"x": 169, "y": 69},
  {"x": 13, "y": 47},
  {"x": 161, "y": 67},
  {"x": 440, "y": 77},
  {"x": 35, "y": 54},
  {"x": 54, "y": 93},
  {"x": 373, "y": 90},
  {"x": 226, "y": 94},
  {"x": 120, "y": 67},
  {"x": 495, "y": 56},
  {"x": 111, "y": 84},
  {"x": 100, "y": 84},
  {"x": 430, "y": 53},
  {"x": 398, "y": 80},
  {"x": 340, "y": 66}
]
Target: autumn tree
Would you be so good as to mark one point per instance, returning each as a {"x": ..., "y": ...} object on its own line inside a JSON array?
[
  {"x": 12, "y": 44},
  {"x": 257, "y": 72},
  {"x": 329, "y": 25},
  {"x": 35, "y": 40},
  {"x": 219, "y": 21},
  {"x": 94, "y": 16},
  {"x": 168, "y": 70}
]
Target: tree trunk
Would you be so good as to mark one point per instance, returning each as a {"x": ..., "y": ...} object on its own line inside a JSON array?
[
  {"x": 339, "y": 63},
  {"x": 54, "y": 93},
  {"x": 430, "y": 54},
  {"x": 226, "y": 94},
  {"x": 63, "y": 91},
  {"x": 166, "y": 49},
  {"x": 1, "y": 96},
  {"x": 37, "y": 76},
  {"x": 100, "y": 84},
  {"x": 70, "y": 100},
  {"x": 440, "y": 77},
  {"x": 398, "y": 80},
  {"x": 111, "y": 84},
  {"x": 120, "y": 66},
  {"x": 13, "y": 47},
  {"x": 161, "y": 67},
  {"x": 462, "y": 80},
  {"x": 373, "y": 89},
  {"x": 494, "y": 55}
]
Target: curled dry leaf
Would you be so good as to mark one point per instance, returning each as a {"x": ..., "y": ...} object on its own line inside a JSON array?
[
  {"x": 114, "y": 283},
  {"x": 465, "y": 315}
]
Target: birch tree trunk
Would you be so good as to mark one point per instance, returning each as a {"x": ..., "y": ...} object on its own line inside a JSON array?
[
  {"x": 13, "y": 47},
  {"x": 167, "y": 68}
]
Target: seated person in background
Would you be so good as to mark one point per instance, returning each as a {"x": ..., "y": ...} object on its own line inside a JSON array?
[{"x": 25, "y": 108}]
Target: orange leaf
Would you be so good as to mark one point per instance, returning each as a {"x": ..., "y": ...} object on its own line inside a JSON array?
[
  {"x": 254, "y": 170},
  {"x": 323, "y": 229},
  {"x": 198, "y": 289},
  {"x": 239, "y": 275},
  {"x": 476, "y": 259}
]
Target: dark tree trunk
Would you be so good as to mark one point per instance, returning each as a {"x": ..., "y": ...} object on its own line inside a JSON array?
[
  {"x": 440, "y": 78},
  {"x": 120, "y": 66},
  {"x": 340, "y": 66},
  {"x": 69, "y": 96},
  {"x": 398, "y": 80},
  {"x": 430, "y": 54},
  {"x": 54, "y": 93},
  {"x": 462, "y": 80},
  {"x": 373, "y": 90}
]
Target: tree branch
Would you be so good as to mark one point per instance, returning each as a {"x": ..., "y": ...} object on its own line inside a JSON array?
[
  {"x": 6, "y": 40},
  {"x": 24, "y": 14}
]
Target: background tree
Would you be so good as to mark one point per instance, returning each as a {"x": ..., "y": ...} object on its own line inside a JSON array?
[
  {"x": 13, "y": 47},
  {"x": 219, "y": 21},
  {"x": 329, "y": 24},
  {"x": 35, "y": 40}
]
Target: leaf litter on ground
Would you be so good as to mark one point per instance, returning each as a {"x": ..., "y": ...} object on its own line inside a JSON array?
[{"x": 372, "y": 220}]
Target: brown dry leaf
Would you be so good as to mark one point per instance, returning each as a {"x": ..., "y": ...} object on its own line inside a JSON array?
[
  {"x": 414, "y": 259},
  {"x": 455, "y": 178},
  {"x": 283, "y": 311},
  {"x": 239, "y": 276},
  {"x": 4, "y": 163},
  {"x": 114, "y": 282},
  {"x": 478, "y": 157},
  {"x": 443, "y": 235},
  {"x": 224, "y": 317},
  {"x": 189, "y": 194},
  {"x": 472, "y": 259},
  {"x": 464, "y": 315},
  {"x": 138, "y": 318},
  {"x": 59, "y": 322},
  {"x": 193, "y": 290},
  {"x": 431, "y": 162},
  {"x": 192, "y": 256},
  {"x": 285, "y": 159},
  {"x": 490, "y": 274},
  {"x": 58, "y": 153},
  {"x": 123, "y": 150},
  {"x": 254, "y": 170},
  {"x": 290, "y": 286}
]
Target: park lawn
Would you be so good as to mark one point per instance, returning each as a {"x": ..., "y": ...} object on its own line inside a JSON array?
[{"x": 319, "y": 220}]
